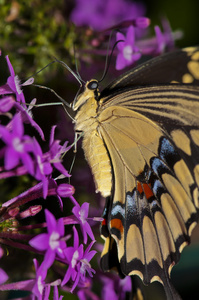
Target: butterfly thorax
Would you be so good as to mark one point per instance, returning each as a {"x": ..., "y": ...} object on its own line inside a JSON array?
[{"x": 86, "y": 106}]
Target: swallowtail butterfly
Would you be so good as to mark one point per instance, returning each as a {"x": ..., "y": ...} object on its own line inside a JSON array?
[{"x": 141, "y": 140}]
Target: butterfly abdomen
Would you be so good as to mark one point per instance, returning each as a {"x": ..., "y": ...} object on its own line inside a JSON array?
[{"x": 98, "y": 161}]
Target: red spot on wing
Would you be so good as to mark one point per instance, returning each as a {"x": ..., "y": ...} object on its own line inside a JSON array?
[{"x": 104, "y": 222}]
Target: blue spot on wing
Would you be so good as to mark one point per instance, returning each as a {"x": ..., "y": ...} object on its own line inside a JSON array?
[
  {"x": 168, "y": 153},
  {"x": 117, "y": 209},
  {"x": 131, "y": 203},
  {"x": 158, "y": 188},
  {"x": 158, "y": 166}
]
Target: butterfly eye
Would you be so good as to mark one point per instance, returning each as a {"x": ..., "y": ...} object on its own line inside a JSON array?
[{"x": 92, "y": 85}]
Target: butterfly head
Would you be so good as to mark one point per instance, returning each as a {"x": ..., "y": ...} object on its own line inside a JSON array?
[{"x": 90, "y": 91}]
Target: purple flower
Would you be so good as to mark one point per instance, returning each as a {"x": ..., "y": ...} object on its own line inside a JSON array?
[
  {"x": 43, "y": 168},
  {"x": 40, "y": 289},
  {"x": 56, "y": 151},
  {"x": 78, "y": 261},
  {"x": 35, "y": 192},
  {"x": 50, "y": 242},
  {"x": 17, "y": 146},
  {"x": 6, "y": 104},
  {"x": 65, "y": 190},
  {"x": 3, "y": 275},
  {"x": 128, "y": 52},
  {"x": 166, "y": 38},
  {"x": 26, "y": 115},
  {"x": 56, "y": 294},
  {"x": 163, "y": 40},
  {"x": 101, "y": 14},
  {"x": 13, "y": 84},
  {"x": 161, "y": 43},
  {"x": 81, "y": 213},
  {"x": 44, "y": 161},
  {"x": 81, "y": 294},
  {"x": 114, "y": 287}
]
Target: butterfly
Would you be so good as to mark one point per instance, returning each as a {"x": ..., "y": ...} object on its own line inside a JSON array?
[{"x": 141, "y": 140}]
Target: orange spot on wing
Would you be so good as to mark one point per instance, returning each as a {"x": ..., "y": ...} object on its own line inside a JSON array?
[{"x": 117, "y": 223}]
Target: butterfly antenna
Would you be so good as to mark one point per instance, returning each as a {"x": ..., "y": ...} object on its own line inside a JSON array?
[
  {"x": 77, "y": 76},
  {"x": 59, "y": 97},
  {"x": 72, "y": 164},
  {"x": 77, "y": 137},
  {"x": 76, "y": 64},
  {"x": 34, "y": 74},
  {"x": 108, "y": 58},
  {"x": 47, "y": 88}
]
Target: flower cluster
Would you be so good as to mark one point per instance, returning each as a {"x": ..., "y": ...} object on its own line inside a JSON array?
[
  {"x": 134, "y": 42},
  {"x": 102, "y": 14},
  {"x": 22, "y": 154}
]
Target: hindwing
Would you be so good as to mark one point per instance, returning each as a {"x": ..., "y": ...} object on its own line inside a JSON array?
[{"x": 155, "y": 163}]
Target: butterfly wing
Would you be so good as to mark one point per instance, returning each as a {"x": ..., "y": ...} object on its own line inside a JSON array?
[
  {"x": 152, "y": 138},
  {"x": 143, "y": 132},
  {"x": 180, "y": 66}
]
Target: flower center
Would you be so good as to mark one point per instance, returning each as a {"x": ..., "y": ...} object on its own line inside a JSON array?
[
  {"x": 82, "y": 216},
  {"x": 40, "y": 164},
  {"x": 127, "y": 52},
  {"x": 40, "y": 285},
  {"x": 84, "y": 266},
  {"x": 74, "y": 259},
  {"x": 54, "y": 240},
  {"x": 18, "y": 146}
]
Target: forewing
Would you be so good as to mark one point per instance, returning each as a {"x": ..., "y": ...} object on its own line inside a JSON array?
[
  {"x": 156, "y": 175},
  {"x": 180, "y": 66},
  {"x": 175, "y": 105}
]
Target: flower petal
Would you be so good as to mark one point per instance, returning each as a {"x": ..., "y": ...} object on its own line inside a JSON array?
[
  {"x": 40, "y": 242},
  {"x": 50, "y": 220},
  {"x": 6, "y": 104},
  {"x": 49, "y": 258},
  {"x": 11, "y": 158},
  {"x": 3, "y": 276},
  {"x": 12, "y": 72}
]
